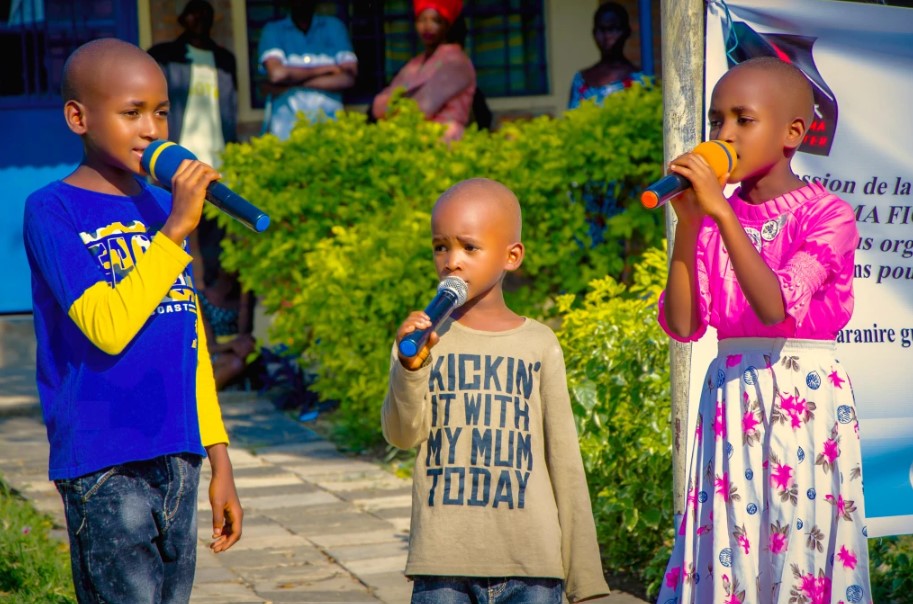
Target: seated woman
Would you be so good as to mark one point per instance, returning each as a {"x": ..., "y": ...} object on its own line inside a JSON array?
[
  {"x": 442, "y": 79},
  {"x": 613, "y": 72},
  {"x": 227, "y": 310},
  {"x": 227, "y": 314}
]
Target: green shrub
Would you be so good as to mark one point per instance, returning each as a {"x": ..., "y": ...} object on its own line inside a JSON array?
[
  {"x": 891, "y": 564},
  {"x": 346, "y": 256},
  {"x": 362, "y": 281},
  {"x": 34, "y": 568},
  {"x": 618, "y": 374},
  {"x": 329, "y": 174}
]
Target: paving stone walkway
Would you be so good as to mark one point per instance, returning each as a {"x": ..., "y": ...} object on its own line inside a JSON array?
[{"x": 319, "y": 526}]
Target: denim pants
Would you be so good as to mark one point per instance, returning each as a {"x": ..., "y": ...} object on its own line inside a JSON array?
[
  {"x": 133, "y": 531},
  {"x": 486, "y": 590}
]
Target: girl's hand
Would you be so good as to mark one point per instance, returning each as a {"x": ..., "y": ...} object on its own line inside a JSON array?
[
  {"x": 416, "y": 321},
  {"x": 705, "y": 197}
]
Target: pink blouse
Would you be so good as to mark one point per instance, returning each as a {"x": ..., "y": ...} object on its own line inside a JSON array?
[
  {"x": 808, "y": 237},
  {"x": 443, "y": 85}
]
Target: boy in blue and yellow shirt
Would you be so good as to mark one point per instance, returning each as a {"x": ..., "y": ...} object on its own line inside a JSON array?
[{"x": 124, "y": 379}]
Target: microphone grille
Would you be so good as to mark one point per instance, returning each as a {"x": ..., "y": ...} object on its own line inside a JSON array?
[
  {"x": 457, "y": 286},
  {"x": 719, "y": 154}
]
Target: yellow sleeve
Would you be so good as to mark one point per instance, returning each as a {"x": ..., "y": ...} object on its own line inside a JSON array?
[
  {"x": 112, "y": 316},
  {"x": 209, "y": 414}
]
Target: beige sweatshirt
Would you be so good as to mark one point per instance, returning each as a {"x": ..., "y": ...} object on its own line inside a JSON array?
[{"x": 499, "y": 488}]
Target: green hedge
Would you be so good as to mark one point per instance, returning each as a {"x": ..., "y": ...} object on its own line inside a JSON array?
[
  {"x": 618, "y": 374},
  {"x": 891, "y": 565},
  {"x": 366, "y": 279},
  {"x": 348, "y": 253}
]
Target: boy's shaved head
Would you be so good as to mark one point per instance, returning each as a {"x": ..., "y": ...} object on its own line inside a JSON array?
[
  {"x": 798, "y": 98},
  {"x": 91, "y": 66},
  {"x": 499, "y": 203}
]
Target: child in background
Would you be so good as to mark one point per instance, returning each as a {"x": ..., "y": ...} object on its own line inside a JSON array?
[
  {"x": 124, "y": 378},
  {"x": 500, "y": 505},
  {"x": 774, "y": 503}
]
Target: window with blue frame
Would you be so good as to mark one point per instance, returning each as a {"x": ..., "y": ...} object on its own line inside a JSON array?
[
  {"x": 505, "y": 40},
  {"x": 37, "y": 36}
]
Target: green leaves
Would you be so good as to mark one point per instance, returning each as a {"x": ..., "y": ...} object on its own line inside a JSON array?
[
  {"x": 33, "y": 566},
  {"x": 891, "y": 568},
  {"x": 348, "y": 256},
  {"x": 339, "y": 173},
  {"x": 618, "y": 372},
  {"x": 348, "y": 253}
]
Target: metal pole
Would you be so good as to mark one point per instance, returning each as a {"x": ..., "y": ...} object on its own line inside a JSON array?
[
  {"x": 645, "y": 15},
  {"x": 683, "y": 102}
]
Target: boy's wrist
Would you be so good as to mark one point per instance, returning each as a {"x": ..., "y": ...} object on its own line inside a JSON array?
[
  {"x": 403, "y": 374},
  {"x": 414, "y": 363},
  {"x": 175, "y": 234},
  {"x": 219, "y": 461}
]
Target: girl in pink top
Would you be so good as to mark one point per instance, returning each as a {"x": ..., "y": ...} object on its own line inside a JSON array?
[
  {"x": 774, "y": 508},
  {"x": 442, "y": 79}
]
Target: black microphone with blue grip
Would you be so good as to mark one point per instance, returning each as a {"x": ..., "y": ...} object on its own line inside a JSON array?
[
  {"x": 719, "y": 154},
  {"x": 451, "y": 294},
  {"x": 161, "y": 160}
]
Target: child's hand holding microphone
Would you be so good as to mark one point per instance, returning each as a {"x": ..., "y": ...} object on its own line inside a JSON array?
[
  {"x": 416, "y": 336},
  {"x": 695, "y": 183}
]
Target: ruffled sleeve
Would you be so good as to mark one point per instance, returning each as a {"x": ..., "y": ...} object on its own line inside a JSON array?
[{"x": 825, "y": 249}]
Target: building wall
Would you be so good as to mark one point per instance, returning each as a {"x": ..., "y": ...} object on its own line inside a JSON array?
[
  {"x": 571, "y": 48},
  {"x": 46, "y": 150},
  {"x": 568, "y": 36},
  {"x": 633, "y": 46},
  {"x": 37, "y": 148},
  {"x": 163, "y": 25}
]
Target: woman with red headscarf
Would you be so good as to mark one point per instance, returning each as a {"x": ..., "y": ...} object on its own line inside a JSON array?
[{"x": 442, "y": 79}]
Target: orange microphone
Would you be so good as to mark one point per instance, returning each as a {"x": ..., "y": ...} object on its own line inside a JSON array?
[{"x": 719, "y": 154}]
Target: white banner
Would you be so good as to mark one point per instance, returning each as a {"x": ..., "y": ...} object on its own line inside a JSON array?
[{"x": 859, "y": 58}]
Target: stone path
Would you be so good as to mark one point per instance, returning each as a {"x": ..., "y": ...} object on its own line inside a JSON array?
[{"x": 319, "y": 526}]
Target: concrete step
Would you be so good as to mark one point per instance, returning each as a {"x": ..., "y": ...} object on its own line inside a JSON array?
[
  {"x": 17, "y": 342},
  {"x": 18, "y": 393}
]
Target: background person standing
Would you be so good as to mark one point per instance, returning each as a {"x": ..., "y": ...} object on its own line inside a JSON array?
[
  {"x": 202, "y": 85},
  {"x": 308, "y": 60}
]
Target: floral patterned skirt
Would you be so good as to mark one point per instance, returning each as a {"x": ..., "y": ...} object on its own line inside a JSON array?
[{"x": 774, "y": 510}]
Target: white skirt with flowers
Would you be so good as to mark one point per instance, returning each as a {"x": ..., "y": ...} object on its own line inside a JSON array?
[{"x": 774, "y": 509}]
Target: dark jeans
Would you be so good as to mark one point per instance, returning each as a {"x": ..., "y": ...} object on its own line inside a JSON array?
[
  {"x": 486, "y": 590},
  {"x": 133, "y": 531}
]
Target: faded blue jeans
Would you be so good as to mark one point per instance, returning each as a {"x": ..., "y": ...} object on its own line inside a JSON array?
[
  {"x": 133, "y": 531},
  {"x": 486, "y": 590}
]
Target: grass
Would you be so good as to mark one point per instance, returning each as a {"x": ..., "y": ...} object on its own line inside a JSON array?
[{"x": 34, "y": 567}]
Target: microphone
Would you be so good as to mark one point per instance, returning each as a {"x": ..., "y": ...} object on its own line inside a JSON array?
[
  {"x": 451, "y": 294},
  {"x": 161, "y": 160},
  {"x": 719, "y": 154}
]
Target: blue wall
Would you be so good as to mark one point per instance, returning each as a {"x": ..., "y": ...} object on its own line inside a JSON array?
[
  {"x": 37, "y": 145},
  {"x": 38, "y": 148}
]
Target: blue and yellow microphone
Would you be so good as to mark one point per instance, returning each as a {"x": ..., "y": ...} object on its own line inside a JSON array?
[{"x": 161, "y": 160}]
